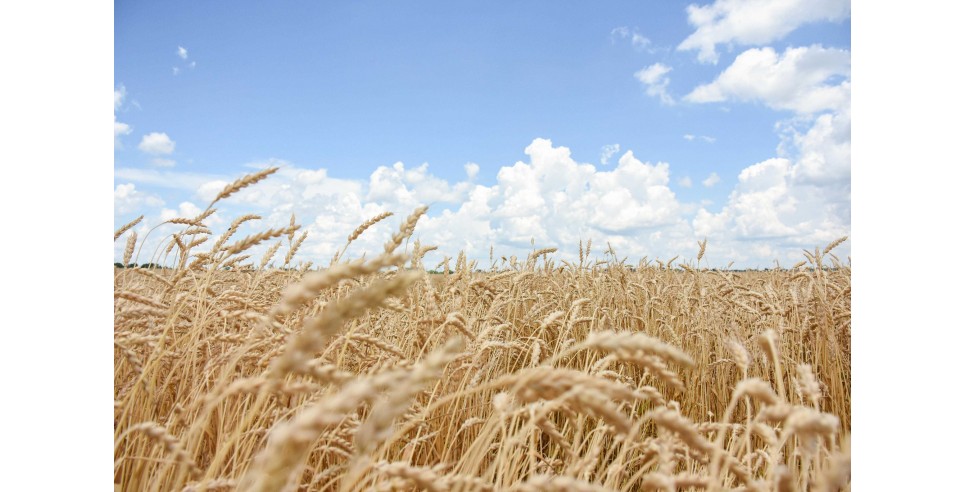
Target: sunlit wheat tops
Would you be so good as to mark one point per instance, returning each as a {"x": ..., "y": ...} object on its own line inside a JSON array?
[
  {"x": 127, "y": 226},
  {"x": 536, "y": 374},
  {"x": 242, "y": 183}
]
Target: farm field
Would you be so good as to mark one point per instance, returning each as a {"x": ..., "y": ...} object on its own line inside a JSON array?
[{"x": 529, "y": 374}]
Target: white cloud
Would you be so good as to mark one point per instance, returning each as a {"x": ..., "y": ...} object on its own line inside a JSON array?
[
  {"x": 156, "y": 143},
  {"x": 619, "y": 32},
  {"x": 803, "y": 80},
  {"x": 825, "y": 150},
  {"x": 608, "y": 151},
  {"x": 184, "y": 181},
  {"x": 656, "y": 81},
  {"x": 119, "y": 128},
  {"x": 551, "y": 198},
  {"x": 690, "y": 138},
  {"x": 558, "y": 190},
  {"x": 210, "y": 189},
  {"x": 127, "y": 199},
  {"x": 711, "y": 180},
  {"x": 412, "y": 187},
  {"x": 638, "y": 41},
  {"x": 472, "y": 169},
  {"x": 163, "y": 162},
  {"x": 119, "y": 94},
  {"x": 188, "y": 209},
  {"x": 183, "y": 54},
  {"x": 754, "y": 22},
  {"x": 548, "y": 197},
  {"x": 802, "y": 200},
  {"x": 757, "y": 205}
]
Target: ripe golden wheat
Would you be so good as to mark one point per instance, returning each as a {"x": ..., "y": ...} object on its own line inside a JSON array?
[{"x": 535, "y": 375}]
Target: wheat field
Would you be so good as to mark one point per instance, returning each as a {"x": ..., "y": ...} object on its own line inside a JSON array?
[{"x": 528, "y": 374}]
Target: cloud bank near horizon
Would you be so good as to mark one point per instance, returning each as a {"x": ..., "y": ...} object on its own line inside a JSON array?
[{"x": 779, "y": 206}]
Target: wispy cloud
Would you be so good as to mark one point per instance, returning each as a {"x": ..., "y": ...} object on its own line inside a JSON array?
[
  {"x": 127, "y": 200},
  {"x": 180, "y": 180},
  {"x": 754, "y": 22},
  {"x": 638, "y": 41},
  {"x": 120, "y": 128},
  {"x": 655, "y": 81},
  {"x": 183, "y": 54},
  {"x": 608, "y": 151},
  {"x": 472, "y": 169},
  {"x": 711, "y": 180},
  {"x": 690, "y": 138}
]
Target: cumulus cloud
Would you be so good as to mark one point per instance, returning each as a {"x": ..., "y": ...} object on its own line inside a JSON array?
[
  {"x": 825, "y": 149},
  {"x": 608, "y": 151},
  {"x": 127, "y": 199},
  {"x": 549, "y": 198},
  {"x": 208, "y": 190},
  {"x": 156, "y": 143},
  {"x": 711, "y": 180},
  {"x": 655, "y": 80},
  {"x": 185, "y": 209},
  {"x": 757, "y": 205},
  {"x": 412, "y": 187},
  {"x": 801, "y": 200},
  {"x": 555, "y": 189},
  {"x": 754, "y": 22},
  {"x": 182, "y": 53},
  {"x": 803, "y": 79}
]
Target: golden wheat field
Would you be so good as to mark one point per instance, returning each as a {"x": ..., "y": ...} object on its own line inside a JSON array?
[{"x": 530, "y": 374}]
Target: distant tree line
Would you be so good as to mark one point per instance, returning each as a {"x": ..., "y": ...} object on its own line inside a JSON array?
[{"x": 135, "y": 265}]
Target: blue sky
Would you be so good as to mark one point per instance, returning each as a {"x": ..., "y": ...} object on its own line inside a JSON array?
[{"x": 700, "y": 95}]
